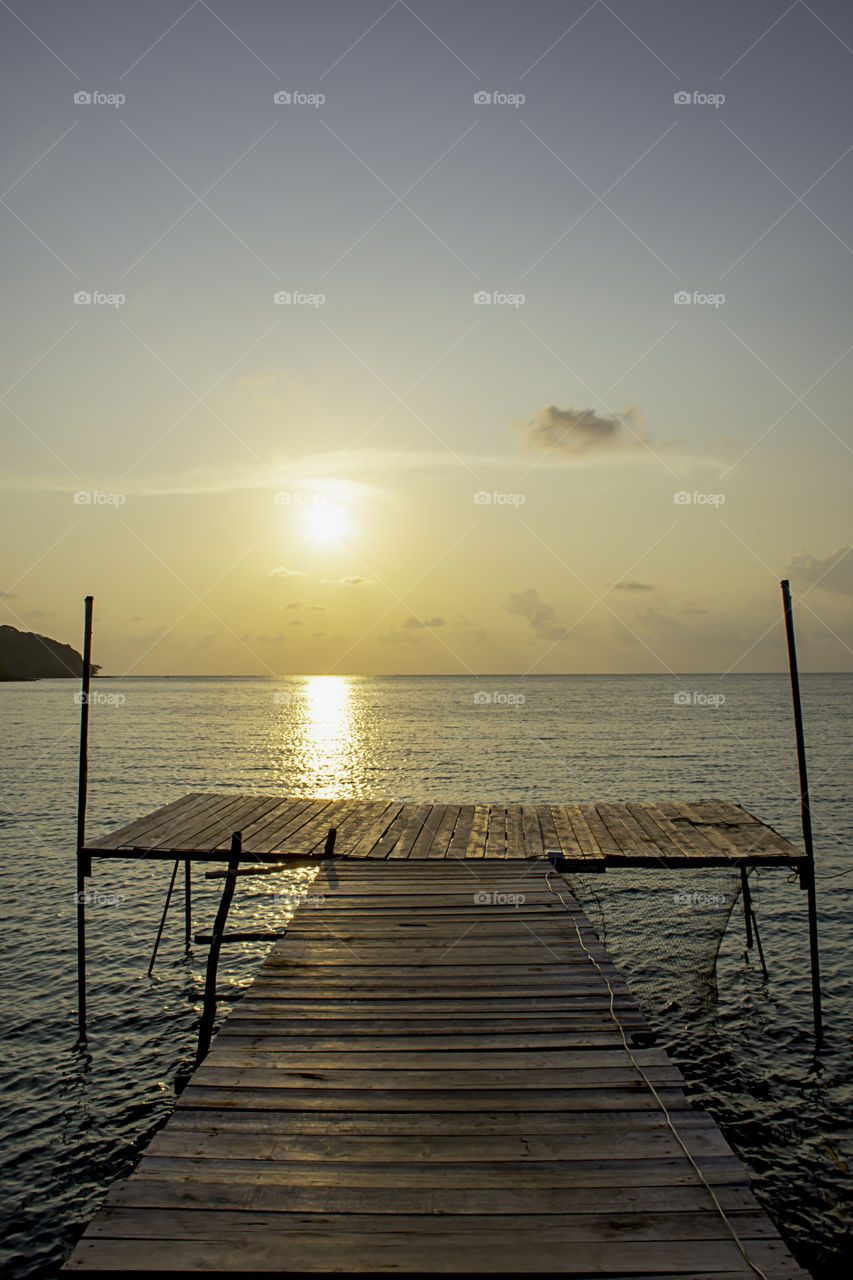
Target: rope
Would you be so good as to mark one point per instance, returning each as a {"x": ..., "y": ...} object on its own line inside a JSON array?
[{"x": 753, "y": 1265}]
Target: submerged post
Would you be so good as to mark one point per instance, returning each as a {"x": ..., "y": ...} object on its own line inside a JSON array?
[
  {"x": 84, "y": 866},
  {"x": 807, "y": 876}
]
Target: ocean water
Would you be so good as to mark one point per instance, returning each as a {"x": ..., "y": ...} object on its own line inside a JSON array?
[{"x": 76, "y": 1119}]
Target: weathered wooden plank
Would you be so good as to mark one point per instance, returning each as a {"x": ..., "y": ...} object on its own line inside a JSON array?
[
  {"x": 165, "y": 816},
  {"x": 427, "y": 1074}
]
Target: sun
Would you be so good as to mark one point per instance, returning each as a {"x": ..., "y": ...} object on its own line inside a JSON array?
[{"x": 325, "y": 524}]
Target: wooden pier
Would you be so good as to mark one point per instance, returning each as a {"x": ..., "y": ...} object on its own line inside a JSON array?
[
  {"x": 584, "y": 836},
  {"x": 438, "y": 1069}
]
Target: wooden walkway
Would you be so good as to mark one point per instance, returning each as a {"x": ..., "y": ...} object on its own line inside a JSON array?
[
  {"x": 693, "y": 834},
  {"x": 439, "y": 1069}
]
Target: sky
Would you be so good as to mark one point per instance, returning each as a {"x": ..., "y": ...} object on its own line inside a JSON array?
[{"x": 354, "y": 337}]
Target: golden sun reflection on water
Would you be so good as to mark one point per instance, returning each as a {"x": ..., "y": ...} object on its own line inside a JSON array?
[{"x": 320, "y": 737}]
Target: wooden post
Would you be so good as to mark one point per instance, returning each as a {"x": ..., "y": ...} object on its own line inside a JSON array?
[
  {"x": 163, "y": 917},
  {"x": 84, "y": 863},
  {"x": 188, "y": 905},
  {"x": 807, "y": 876},
  {"x": 747, "y": 906},
  {"x": 208, "y": 1014}
]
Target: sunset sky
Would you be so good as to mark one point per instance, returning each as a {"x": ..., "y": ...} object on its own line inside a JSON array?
[{"x": 384, "y": 473}]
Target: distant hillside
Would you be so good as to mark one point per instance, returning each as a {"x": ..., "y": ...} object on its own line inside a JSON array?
[{"x": 26, "y": 656}]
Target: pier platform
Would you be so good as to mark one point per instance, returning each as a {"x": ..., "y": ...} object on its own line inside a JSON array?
[
  {"x": 438, "y": 1069},
  {"x": 198, "y": 827}
]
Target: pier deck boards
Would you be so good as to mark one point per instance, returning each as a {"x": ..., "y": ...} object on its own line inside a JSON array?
[
  {"x": 693, "y": 834},
  {"x": 430, "y": 1073}
]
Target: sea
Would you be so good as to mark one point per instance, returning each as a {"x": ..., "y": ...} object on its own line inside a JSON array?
[{"x": 76, "y": 1117}]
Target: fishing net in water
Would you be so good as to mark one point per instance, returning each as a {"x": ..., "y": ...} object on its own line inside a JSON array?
[{"x": 664, "y": 928}]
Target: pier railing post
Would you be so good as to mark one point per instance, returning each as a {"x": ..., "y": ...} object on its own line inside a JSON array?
[
  {"x": 807, "y": 875},
  {"x": 205, "y": 1031},
  {"x": 84, "y": 863}
]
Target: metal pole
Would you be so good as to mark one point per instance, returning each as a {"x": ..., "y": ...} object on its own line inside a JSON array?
[
  {"x": 807, "y": 876},
  {"x": 84, "y": 864},
  {"x": 188, "y": 905}
]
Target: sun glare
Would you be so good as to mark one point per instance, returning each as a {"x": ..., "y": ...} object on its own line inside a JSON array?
[{"x": 325, "y": 523}]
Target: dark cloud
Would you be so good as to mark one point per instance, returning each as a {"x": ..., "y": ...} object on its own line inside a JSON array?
[
  {"x": 580, "y": 431},
  {"x": 352, "y": 581},
  {"x": 834, "y": 574},
  {"x": 297, "y": 622},
  {"x": 541, "y": 617},
  {"x": 633, "y": 586},
  {"x": 415, "y": 623},
  {"x": 294, "y": 604},
  {"x": 282, "y": 572}
]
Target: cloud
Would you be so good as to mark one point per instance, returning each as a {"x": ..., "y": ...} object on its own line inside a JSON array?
[
  {"x": 294, "y": 604},
  {"x": 834, "y": 574},
  {"x": 296, "y": 622},
  {"x": 414, "y": 622},
  {"x": 580, "y": 431},
  {"x": 282, "y": 572},
  {"x": 633, "y": 586},
  {"x": 352, "y": 581},
  {"x": 541, "y": 617},
  {"x": 690, "y": 610},
  {"x": 316, "y": 608}
]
